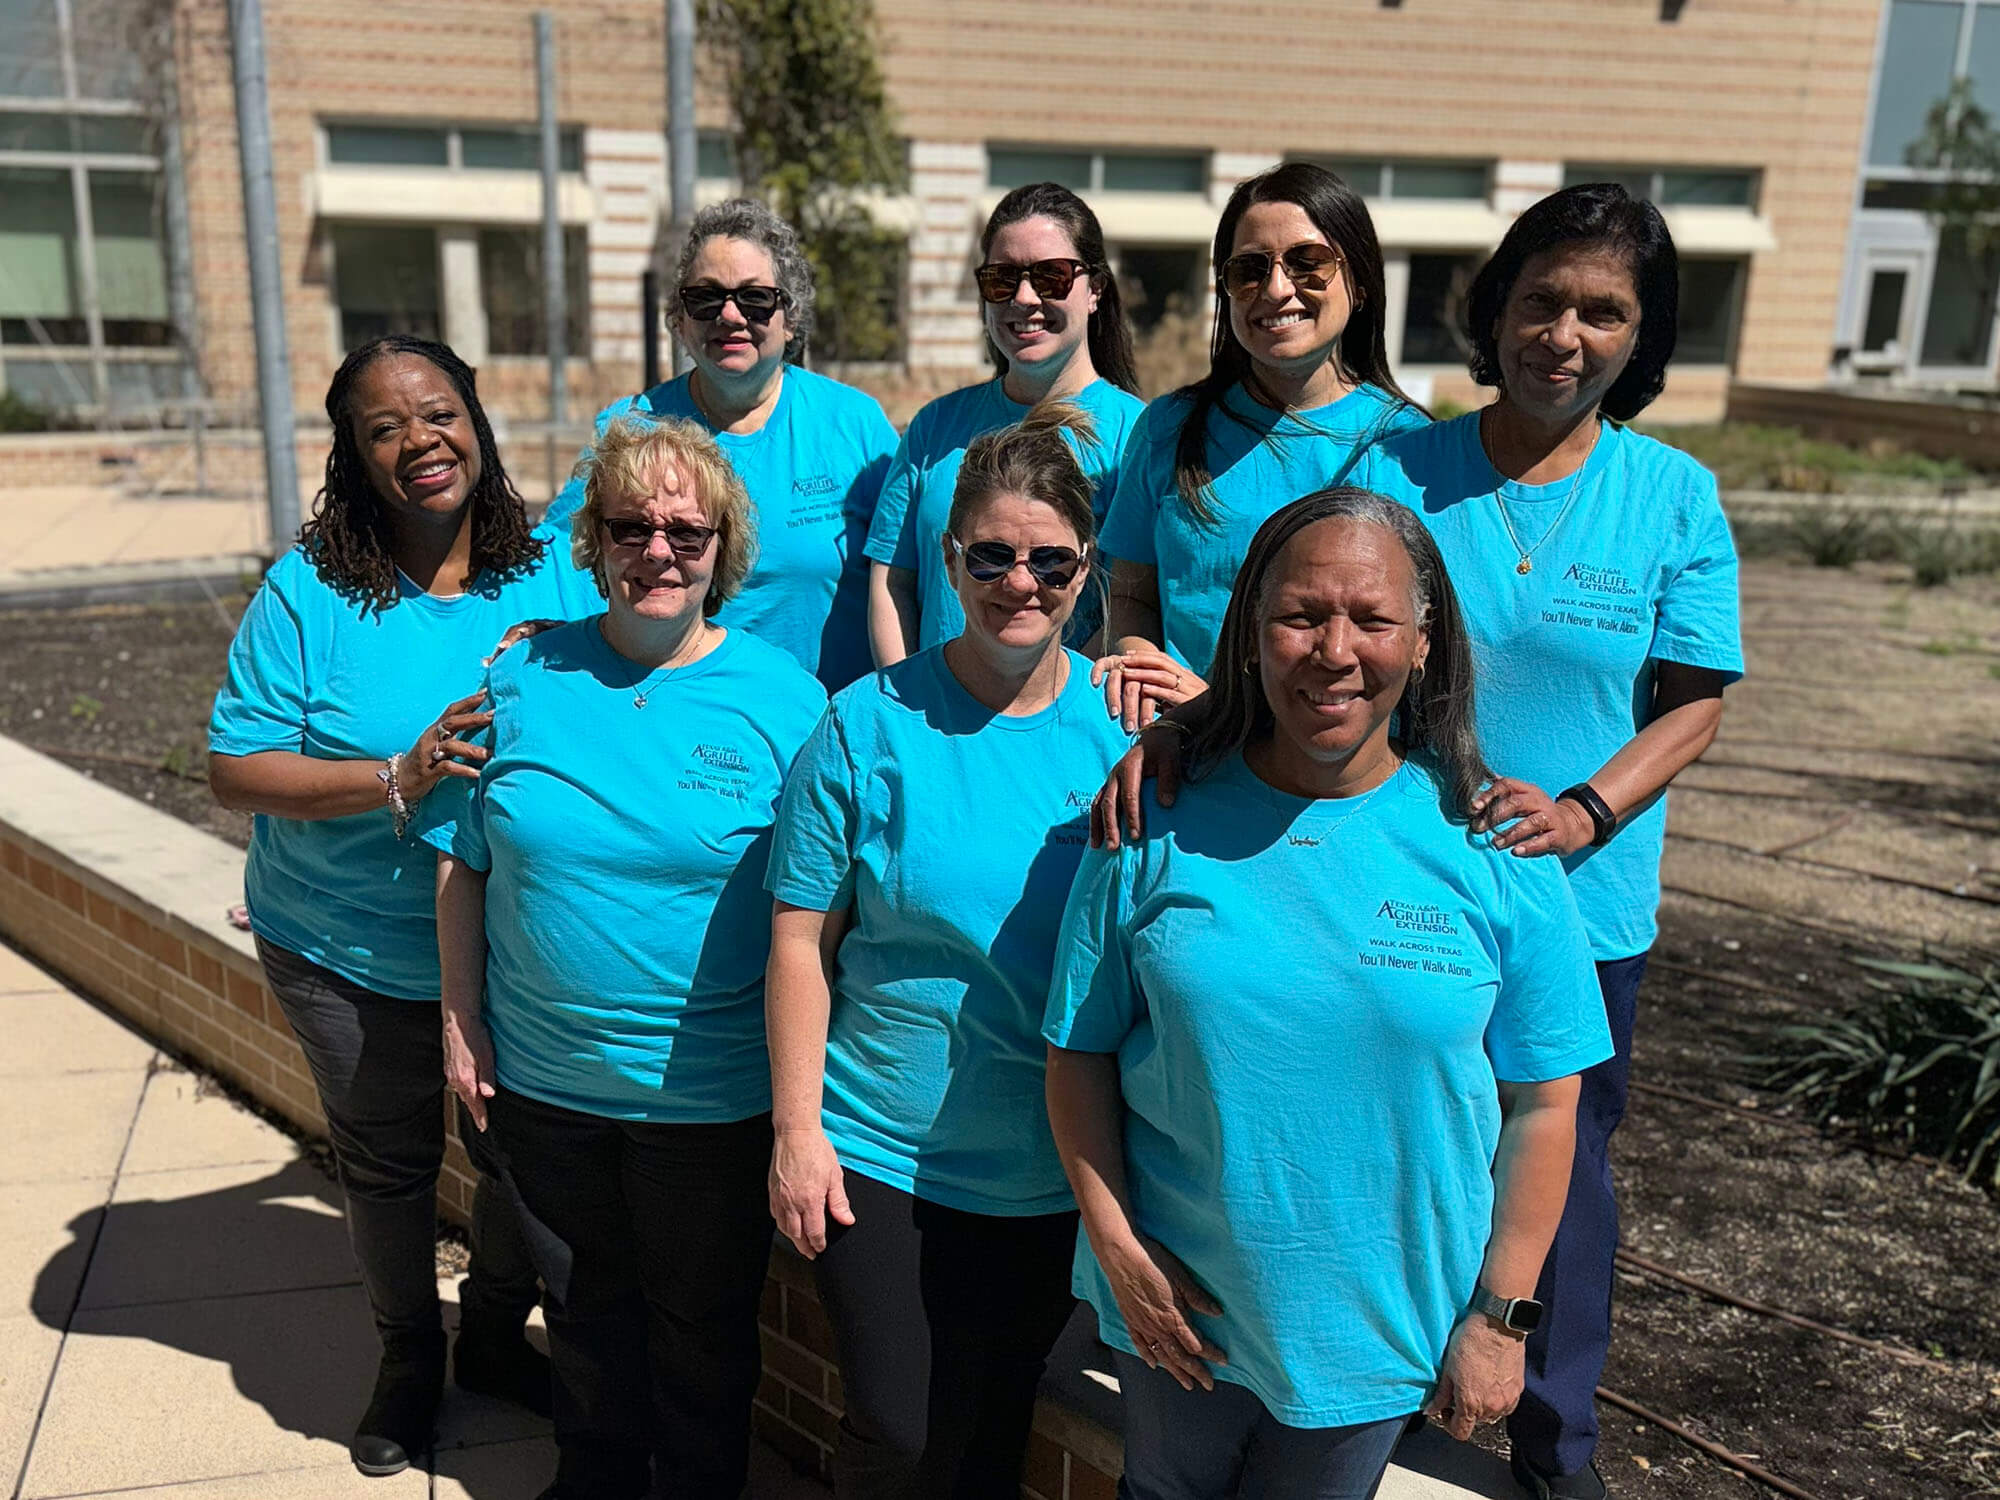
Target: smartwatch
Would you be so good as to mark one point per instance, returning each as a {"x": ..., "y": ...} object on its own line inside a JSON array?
[
  {"x": 1603, "y": 821},
  {"x": 1520, "y": 1316}
]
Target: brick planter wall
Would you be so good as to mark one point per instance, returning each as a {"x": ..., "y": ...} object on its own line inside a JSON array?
[{"x": 126, "y": 903}]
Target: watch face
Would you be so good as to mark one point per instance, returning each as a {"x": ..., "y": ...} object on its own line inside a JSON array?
[{"x": 1525, "y": 1316}]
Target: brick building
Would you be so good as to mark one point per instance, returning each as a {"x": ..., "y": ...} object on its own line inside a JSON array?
[{"x": 407, "y": 195}]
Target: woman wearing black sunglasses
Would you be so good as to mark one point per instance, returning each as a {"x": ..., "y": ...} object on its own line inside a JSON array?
[
  {"x": 812, "y": 451},
  {"x": 927, "y": 840},
  {"x": 1056, "y": 330},
  {"x": 1298, "y": 384}
]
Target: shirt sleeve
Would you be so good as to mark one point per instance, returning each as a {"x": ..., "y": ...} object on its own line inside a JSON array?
[
  {"x": 262, "y": 702},
  {"x": 1094, "y": 998},
  {"x": 1134, "y": 503},
  {"x": 812, "y": 854},
  {"x": 892, "y": 506},
  {"x": 1549, "y": 1021},
  {"x": 1698, "y": 623}
]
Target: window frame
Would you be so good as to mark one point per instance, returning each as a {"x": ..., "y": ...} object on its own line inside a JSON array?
[
  {"x": 1384, "y": 167},
  {"x": 569, "y": 143},
  {"x": 1097, "y": 155},
  {"x": 1655, "y": 173}
]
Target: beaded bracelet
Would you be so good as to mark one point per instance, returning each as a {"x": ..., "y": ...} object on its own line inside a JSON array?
[{"x": 399, "y": 810}]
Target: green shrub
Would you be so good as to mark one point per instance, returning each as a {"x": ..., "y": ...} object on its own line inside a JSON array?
[
  {"x": 17, "y": 415},
  {"x": 1833, "y": 537},
  {"x": 1750, "y": 456},
  {"x": 1941, "y": 552},
  {"x": 1920, "y": 1069}
]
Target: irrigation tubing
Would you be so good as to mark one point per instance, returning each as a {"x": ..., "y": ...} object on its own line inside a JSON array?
[{"x": 1714, "y": 1450}]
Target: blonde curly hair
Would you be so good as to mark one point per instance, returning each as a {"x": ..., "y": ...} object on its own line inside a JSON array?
[{"x": 627, "y": 461}]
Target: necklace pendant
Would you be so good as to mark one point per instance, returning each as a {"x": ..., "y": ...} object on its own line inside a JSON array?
[
  {"x": 637, "y": 701},
  {"x": 1524, "y": 566}
]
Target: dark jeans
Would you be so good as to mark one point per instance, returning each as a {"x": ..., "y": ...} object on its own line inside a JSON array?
[
  {"x": 378, "y": 1063},
  {"x": 1224, "y": 1444},
  {"x": 1554, "y": 1429},
  {"x": 943, "y": 1320},
  {"x": 653, "y": 1241}
]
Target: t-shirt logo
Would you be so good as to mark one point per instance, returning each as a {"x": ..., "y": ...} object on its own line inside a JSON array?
[
  {"x": 1407, "y": 916},
  {"x": 814, "y": 484},
  {"x": 717, "y": 768},
  {"x": 1596, "y": 580}
]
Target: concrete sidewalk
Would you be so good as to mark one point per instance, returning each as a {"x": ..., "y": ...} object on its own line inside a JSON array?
[{"x": 180, "y": 1314}]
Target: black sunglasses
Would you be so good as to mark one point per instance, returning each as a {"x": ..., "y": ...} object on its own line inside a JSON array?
[
  {"x": 1309, "y": 266},
  {"x": 999, "y": 281},
  {"x": 987, "y": 562},
  {"x": 758, "y": 304},
  {"x": 683, "y": 539}
]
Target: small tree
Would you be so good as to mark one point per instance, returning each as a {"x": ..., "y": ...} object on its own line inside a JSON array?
[
  {"x": 813, "y": 134},
  {"x": 1959, "y": 138}
]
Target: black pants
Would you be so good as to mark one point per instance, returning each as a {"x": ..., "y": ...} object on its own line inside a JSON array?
[
  {"x": 654, "y": 1241},
  {"x": 943, "y": 1320},
  {"x": 378, "y": 1063}
]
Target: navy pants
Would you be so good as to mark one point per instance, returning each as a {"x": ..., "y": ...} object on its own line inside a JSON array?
[
  {"x": 1225, "y": 1445},
  {"x": 1554, "y": 1429}
]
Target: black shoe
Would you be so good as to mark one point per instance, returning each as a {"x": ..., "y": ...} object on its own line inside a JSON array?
[
  {"x": 396, "y": 1428},
  {"x": 501, "y": 1363},
  {"x": 1585, "y": 1484}
]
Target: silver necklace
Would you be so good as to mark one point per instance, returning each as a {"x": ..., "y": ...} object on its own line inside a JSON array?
[
  {"x": 1527, "y": 554},
  {"x": 651, "y": 683}
]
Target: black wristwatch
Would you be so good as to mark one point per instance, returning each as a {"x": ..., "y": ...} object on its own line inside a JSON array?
[
  {"x": 1519, "y": 1316},
  {"x": 1603, "y": 821}
]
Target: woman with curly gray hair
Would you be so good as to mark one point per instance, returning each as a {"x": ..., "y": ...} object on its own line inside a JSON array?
[{"x": 811, "y": 451}]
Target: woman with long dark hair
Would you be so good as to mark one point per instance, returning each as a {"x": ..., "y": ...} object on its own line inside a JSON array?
[
  {"x": 1313, "y": 1050},
  {"x": 1056, "y": 330},
  {"x": 1599, "y": 584},
  {"x": 418, "y": 557},
  {"x": 1298, "y": 383}
]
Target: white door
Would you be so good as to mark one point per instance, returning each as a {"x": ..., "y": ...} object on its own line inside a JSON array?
[{"x": 1891, "y": 293}]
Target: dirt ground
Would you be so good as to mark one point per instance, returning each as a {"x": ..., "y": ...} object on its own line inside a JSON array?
[{"x": 1850, "y": 809}]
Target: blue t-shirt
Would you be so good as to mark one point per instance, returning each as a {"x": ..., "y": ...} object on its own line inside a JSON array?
[
  {"x": 1262, "y": 460},
  {"x": 1640, "y": 569},
  {"x": 626, "y": 922},
  {"x": 916, "y": 498},
  {"x": 316, "y": 672},
  {"x": 952, "y": 833},
  {"x": 813, "y": 471},
  {"x": 1311, "y": 1002}
]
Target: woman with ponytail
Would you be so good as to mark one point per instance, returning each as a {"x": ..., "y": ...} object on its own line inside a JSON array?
[
  {"x": 417, "y": 558},
  {"x": 1298, "y": 384},
  {"x": 928, "y": 837},
  {"x": 1056, "y": 330}
]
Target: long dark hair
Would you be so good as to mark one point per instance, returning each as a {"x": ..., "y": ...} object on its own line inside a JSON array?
[
  {"x": 1337, "y": 211},
  {"x": 1110, "y": 336},
  {"x": 1589, "y": 216},
  {"x": 1436, "y": 717},
  {"x": 347, "y": 539}
]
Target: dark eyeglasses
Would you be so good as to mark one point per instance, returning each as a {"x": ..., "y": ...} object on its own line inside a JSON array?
[
  {"x": 999, "y": 281},
  {"x": 683, "y": 539},
  {"x": 1309, "y": 266},
  {"x": 758, "y": 304},
  {"x": 987, "y": 562}
]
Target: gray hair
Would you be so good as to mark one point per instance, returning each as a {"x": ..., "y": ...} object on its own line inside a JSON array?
[
  {"x": 1437, "y": 717},
  {"x": 755, "y": 223}
]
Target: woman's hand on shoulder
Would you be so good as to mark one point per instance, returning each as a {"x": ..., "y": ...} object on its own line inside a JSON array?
[
  {"x": 445, "y": 749},
  {"x": 1118, "y": 804},
  {"x": 1481, "y": 1378},
  {"x": 1528, "y": 820},
  {"x": 1156, "y": 1293},
  {"x": 808, "y": 1193},
  {"x": 1140, "y": 683},
  {"x": 517, "y": 633}
]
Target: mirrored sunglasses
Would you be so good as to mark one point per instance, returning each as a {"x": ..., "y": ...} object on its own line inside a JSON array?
[
  {"x": 987, "y": 562},
  {"x": 1309, "y": 266}
]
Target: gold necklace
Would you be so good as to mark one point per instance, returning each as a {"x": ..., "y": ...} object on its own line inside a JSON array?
[{"x": 1527, "y": 554}]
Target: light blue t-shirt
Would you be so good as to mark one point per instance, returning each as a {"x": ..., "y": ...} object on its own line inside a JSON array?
[
  {"x": 316, "y": 672},
  {"x": 1261, "y": 460},
  {"x": 626, "y": 922},
  {"x": 1311, "y": 1002},
  {"x": 1640, "y": 569},
  {"x": 916, "y": 498},
  {"x": 813, "y": 471},
  {"x": 952, "y": 833}
]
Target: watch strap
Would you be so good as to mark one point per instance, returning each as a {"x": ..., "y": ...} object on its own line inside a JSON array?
[{"x": 1603, "y": 821}]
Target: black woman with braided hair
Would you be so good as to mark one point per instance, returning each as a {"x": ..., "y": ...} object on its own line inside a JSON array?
[{"x": 417, "y": 559}]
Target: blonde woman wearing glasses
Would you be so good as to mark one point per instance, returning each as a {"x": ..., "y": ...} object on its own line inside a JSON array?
[{"x": 1298, "y": 384}]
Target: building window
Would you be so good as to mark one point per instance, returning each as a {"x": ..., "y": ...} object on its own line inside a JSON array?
[
  {"x": 1919, "y": 59},
  {"x": 1711, "y": 299},
  {"x": 1673, "y": 187},
  {"x": 506, "y": 148},
  {"x": 131, "y": 270},
  {"x": 1085, "y": 171},
  {"x": 1154, "y": 280},
  {"x": 385, "y": 281},
  {"x": 1382, "y": 177},
  {"x": 510, "y": 285},
  {"x": 41, "y": 275},
  {"x": 1434, "y": 312},
  {"x": 714, "y": 156},
  {"x": 1958, "y": 326}
]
